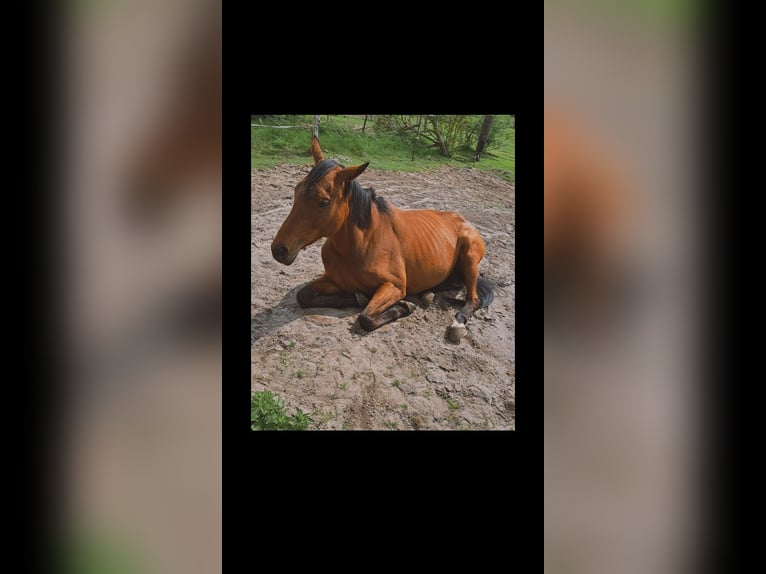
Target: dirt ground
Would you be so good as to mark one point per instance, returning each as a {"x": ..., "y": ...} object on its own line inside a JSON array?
[{"x": 405, "y": 375}]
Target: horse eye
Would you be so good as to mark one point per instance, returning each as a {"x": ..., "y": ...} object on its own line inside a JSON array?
[{"x": 324, "y": 203}]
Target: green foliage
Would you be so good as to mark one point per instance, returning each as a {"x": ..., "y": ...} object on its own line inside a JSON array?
[
  {"x": 388, "y": 142},
  {"x": 268, "y": 413},
  {"x": 448, "y": 134},
  {"x": 99, "y": 553}
]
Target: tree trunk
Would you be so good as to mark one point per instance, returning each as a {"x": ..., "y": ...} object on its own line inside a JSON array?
[
  {"x": 486, "y": 126},
  {"x": 315, "y": 129},
  {"x": 439, "y": 139},
  {"x": 365, "y": 124}
]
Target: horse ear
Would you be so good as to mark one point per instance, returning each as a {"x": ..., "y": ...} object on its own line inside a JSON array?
[
  {"x": 349, "y": 173},
  {"x": 316, "y": 151}
]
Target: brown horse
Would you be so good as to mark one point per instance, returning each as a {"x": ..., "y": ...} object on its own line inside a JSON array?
[
  {"x": 588, "y": 211},
  {"x": 377, "y": 250}
]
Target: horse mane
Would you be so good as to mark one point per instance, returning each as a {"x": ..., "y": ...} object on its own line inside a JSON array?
[
  {"x": 361, "y": 198},
  {"x": 360, "y": 204},
  {"x": 318, "y": 172}
]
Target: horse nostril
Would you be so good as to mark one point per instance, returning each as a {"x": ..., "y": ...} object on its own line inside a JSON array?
[{"x": 279, "y": 253}]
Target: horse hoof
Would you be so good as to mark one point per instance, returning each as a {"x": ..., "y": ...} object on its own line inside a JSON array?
[
  {"x": 456, "y": 331},
  {"x": 428, "y": 298},
  {"x": 410, "y": 306}
]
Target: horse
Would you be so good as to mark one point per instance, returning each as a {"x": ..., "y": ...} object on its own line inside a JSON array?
[
  {"x": 378, "y": 256},
  {"x": 589, "y": 209}
]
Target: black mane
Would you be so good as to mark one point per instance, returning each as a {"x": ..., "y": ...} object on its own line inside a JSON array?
[
  {"x": 361, "y": 198},
  {"x": 360, "y": 204},
  {"x": 318, "y": 172}
]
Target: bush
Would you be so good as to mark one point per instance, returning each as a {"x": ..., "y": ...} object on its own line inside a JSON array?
[
  {"x": 268, "y": 413},
  {"x": 446, "y": 133}
]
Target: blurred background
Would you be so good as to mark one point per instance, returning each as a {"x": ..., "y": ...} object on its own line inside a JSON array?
[
  {"x": 622, "y": 394},
  {"x": 140, "y": 163}
]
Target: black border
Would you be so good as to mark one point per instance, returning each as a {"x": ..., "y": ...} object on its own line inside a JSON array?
[{"x": 492, "y": 473}]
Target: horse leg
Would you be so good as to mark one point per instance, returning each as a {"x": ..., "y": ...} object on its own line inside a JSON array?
[
  {"x": 468, "y": 263},
  {"x": 324, "y": 293},
  {"x": 385, "y": 306}
]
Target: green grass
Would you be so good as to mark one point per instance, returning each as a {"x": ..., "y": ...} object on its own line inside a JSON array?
[
  {"x": 672, "y": 14},
  {"x": 452, "y": 404},
  {"x": 270, "y": 147},
  {"x": 397, "y": 383},
  {"x": 99, "y": 553},
  {"x": 268, "y": 413}
]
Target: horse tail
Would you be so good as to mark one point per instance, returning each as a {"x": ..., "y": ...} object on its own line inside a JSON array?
[{"x": 486, "y": 291}]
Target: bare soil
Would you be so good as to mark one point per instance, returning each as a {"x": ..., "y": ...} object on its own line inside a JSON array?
[{"x": 405, "y": 375}]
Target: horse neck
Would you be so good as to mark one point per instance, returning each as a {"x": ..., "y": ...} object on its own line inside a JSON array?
[{"x": 349, "y": 239}]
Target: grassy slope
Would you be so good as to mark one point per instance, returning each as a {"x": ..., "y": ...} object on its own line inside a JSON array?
[{"x": 342, "y": 140}]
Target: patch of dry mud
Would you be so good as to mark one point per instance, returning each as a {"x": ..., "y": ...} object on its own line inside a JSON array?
[{"x": 405, "y": 375}]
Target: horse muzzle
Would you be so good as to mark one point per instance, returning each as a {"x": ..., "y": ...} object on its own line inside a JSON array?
[{"x": 282, "y": 254}]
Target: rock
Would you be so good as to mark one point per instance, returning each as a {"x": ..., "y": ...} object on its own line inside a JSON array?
[{"x": 456, "y": 331}]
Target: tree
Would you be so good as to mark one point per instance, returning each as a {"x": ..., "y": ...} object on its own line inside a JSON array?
[{"x": 486, "y": 127}]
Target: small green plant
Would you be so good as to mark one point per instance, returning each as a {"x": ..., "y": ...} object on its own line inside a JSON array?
[
  {"x": 268, "y": 413},
  {"x": 300, "y": 374},
  {"x": 452, "y": 404},
  {"x": 405, "y": 406},
  {"x": 397, "y": 383},
  {"x": 324, "y": 416},
  {"x": 282, "y": 362},
  {"x": 428, "y": 394},
  {"x": 392, "y": 425},
  {"x": 343, "y": 386}
]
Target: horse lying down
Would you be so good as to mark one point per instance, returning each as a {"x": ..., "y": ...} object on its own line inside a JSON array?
[{"x": 377, "y": 255}]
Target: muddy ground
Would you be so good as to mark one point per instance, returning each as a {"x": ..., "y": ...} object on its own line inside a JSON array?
[{"x": 405, "y": 375}]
